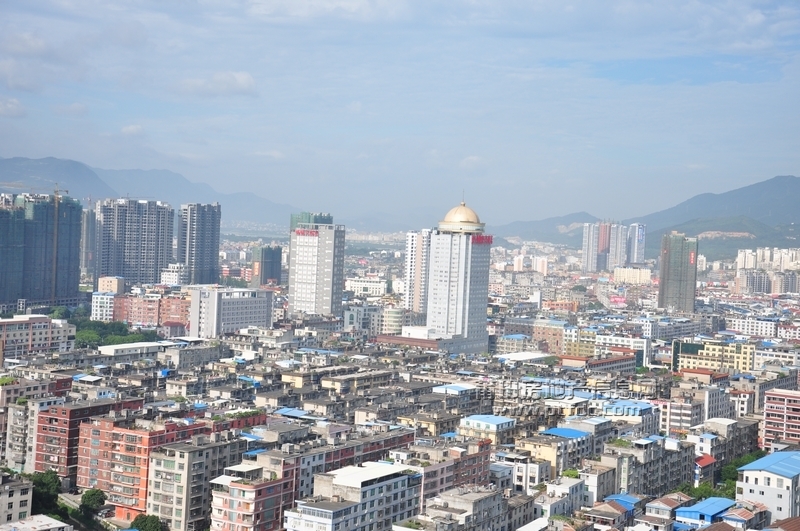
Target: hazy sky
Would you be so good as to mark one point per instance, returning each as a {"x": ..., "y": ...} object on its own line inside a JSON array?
[{"x": 533, "y": 108}]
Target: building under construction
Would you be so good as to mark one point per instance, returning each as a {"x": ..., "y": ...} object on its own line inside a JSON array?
[{"x": 39, "y": 250}]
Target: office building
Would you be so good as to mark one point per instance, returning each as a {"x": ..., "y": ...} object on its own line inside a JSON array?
[
  {"x": 617, "y": 247},
  {"x": 591, "y": 235},
  {"x": 773, "y": 481},
  {"x": 266, "y": 266},
  {"x": 316, "y": 268},
  {"x": 39, "y": 250},
  {"x": 458, "y": 285},
  {"x": 677, "y": 273},
  {"x": 198, "y": 241},
  {"x": 637, "y": 237},
  {"x": 217, "y": 310},
  {"x": 418, "y": 248},
  {"x": 134, "y": 239},
  {"x": 88, "y": 241}
]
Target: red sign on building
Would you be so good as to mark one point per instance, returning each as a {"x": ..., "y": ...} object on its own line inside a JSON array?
[
  {"x": 306, "y": 232},
  {"x": 482, "y": 239}
]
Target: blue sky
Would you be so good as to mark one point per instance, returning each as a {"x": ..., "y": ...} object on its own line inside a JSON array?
[{"x": 392, "y": 108}]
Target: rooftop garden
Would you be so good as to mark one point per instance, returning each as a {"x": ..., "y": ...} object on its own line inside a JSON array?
[{"x": 621, "y": 443}]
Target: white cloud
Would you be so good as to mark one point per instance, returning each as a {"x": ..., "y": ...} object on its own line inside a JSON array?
[
  {"x": 272, "y": 153},
  {"x": 471, "y": 162},
  {"x": 73, "y": 109},
  {"x": 132, "y": 130},
  {"x": 11, "y": 108},
  {"x": 222, "y": 84},
  {"x": 354, "y": 107},
  {"x": 317, "y": 8}
]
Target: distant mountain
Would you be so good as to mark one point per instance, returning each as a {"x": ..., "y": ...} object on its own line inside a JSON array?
[
  {"x": 567, "y": 230},
  {"x": 720, "y": 238},
  {"x": 773, "y": 202},
  {"x": 18, "y": 175},
  {"x": 175, "y": 189}
]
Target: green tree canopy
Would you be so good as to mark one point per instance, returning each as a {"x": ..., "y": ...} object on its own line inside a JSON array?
[
  {"x": 92, "y": 500},
  {"x": 87, "y": 339},
  {"x": 60, "y": 312},
  {"x": 148, "y": 522},
  {"x": 46, "y": 486}
]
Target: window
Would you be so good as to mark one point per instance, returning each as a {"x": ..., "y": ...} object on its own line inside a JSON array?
[
  {"x": 10, "y": 505},
  {"x": 23, "y": 503},
  {"x": 25, "y": 492},
  {"x": 24, "y": 514},
  {"x": 9, "y": 516}
]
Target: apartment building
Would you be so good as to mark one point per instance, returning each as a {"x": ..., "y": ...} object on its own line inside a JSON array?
[
  {"x": 526, "y": 472},
  {"x": 500, "y": 430},
  {"x": 21, "y": 432},
  {"x": 19, "y": 390},
  {"x": 760, "y": 327},
  {"x": 446, "y": 464},
  {"x": 715, "y": 355},
  {"x": 765, "y": 381},
  {"x": 180, "y": 474},
  {"x": 58, "y": 433},
  {"x": 114, "y": 452},
  {"x": 724, "y": 439},
  {"x": 16, "y": 497},
  {"x": 373, "y": 495},
  {"x": 781, "y": 418},
  {"x": 563, "y": 448},
  {"x": 248, "y": 498},
  {"x": 774, "y": 481},
  {"x": 650, "y": 466},
  {"x": 29, "y": 335},
  {"x": 467, "y": 509}
]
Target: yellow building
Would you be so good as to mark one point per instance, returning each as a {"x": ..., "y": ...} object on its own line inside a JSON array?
[{"x": 718, "y": 356}]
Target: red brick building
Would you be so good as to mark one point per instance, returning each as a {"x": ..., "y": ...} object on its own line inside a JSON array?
[{"x": 58, "y": 433}]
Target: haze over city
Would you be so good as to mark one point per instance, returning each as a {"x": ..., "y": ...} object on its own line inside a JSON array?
[{"x": 393, "y": 109}]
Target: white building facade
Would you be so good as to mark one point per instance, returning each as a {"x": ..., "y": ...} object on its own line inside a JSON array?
[
  {"x": 418, "y": 248},
  {"x": 316, "y": 269},
  {"x": 216, "y": 310},
  {"x": 458, "y": 283}
]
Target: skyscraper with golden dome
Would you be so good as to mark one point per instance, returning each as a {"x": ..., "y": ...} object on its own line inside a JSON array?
[{"x": 458, "y": 280}]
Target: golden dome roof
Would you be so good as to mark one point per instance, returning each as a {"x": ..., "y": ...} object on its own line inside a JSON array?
[{"x": 461, "y": 214}]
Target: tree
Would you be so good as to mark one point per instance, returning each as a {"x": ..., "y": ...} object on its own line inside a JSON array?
[
  {"x": 87, "y": 339},
  {"x": 92, "y": 500},
  {"x": 60, "y": 312},
  {"x": 146, "y": 523},
  {"x": 46, "y": 486}
]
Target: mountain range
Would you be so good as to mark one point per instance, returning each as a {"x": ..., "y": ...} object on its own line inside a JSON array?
[
  {"x": 82, "y": 182},
  {"x": 759, "y": 215}
]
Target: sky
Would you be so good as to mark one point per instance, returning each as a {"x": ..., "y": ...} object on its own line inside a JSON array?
[{"x": 395, "y": 109}]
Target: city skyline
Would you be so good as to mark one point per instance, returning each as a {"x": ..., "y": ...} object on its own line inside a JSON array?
[{"x": 327, "y": 96}]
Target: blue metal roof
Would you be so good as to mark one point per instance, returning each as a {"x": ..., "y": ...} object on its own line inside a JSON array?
[
  {"x": 626, "y": 500},
  {"x": 784, "y": 464},
  {"x": 709, "y": 506},
  {"x": 257, "y": 451},
  {"x": 516, "y": 337},
  {"x": 709, "y": 436},
  {"x": 489, "y": 419},
  {"x": 291, "y": 412},
  {"x": 567, "y": 433},
  {"x": 449, "y": 435},
  {"x": 250, "y": 436}
]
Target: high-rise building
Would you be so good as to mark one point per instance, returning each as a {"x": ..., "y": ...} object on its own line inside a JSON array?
[
  {"x": 617, "y": 247},
  {"x": 134, "y": 239},
  {"x": 309, "y": 217},
  {"x": 316, "y": 268},
  {"x": 458, "y": 285},
  {"x": 605, "y": 246},
  {"x": 39, "y": 249},
  {"x": 589, "y": 249},
  {"x": 198, "y": 241},
  {"x": 418, "y": 249},
  {"x": 266, "y": 266},
  {"x": 677, "y": 273},
  {"x": 88, "y": 241},
  {"x": 636, "y": 240}
]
